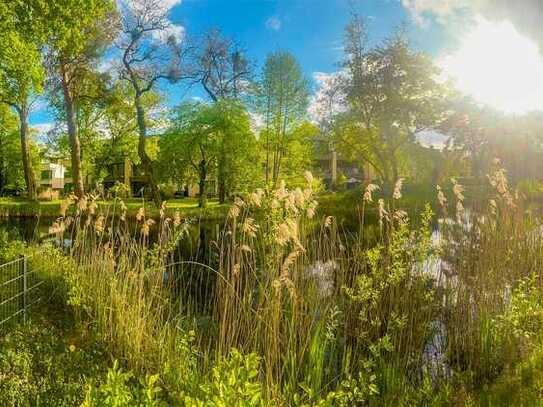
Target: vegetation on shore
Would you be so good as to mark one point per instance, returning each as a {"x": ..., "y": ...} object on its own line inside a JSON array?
[{"x": 284, "y": 309}]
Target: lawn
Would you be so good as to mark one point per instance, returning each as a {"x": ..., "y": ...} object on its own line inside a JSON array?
[{"x": 18, "y": 207}]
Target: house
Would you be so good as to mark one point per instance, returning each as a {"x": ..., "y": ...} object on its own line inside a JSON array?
[
  {"x": 55, "y": 179},
  {"x": 132, "y": 175},
  {"x": 337, "y": 170}
]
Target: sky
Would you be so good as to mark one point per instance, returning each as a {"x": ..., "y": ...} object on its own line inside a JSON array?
[{"x": 463, "y": 37}]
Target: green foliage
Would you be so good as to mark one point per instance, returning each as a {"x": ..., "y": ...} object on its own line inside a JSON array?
[
  {"x": 120, "y": 389},
  {"x": 39, "y": 365},
  {"x": 11, "y": 167},
  {"x": 208, "y": 139},
  {"x": 234, "y": 382},
  {"x": 282, "y": 99}
]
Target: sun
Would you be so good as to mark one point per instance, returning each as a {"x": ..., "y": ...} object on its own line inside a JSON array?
[{"x": 498, "y": 67}]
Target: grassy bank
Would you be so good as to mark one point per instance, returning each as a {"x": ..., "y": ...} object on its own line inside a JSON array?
[
  {"x": 187, "y": 207},
  {"x": 283, "y": 309}
]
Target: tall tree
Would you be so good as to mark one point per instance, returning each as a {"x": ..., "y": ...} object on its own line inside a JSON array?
[
  {"x": 392, "y": 94},
  {"x": 224, "y": 72},
  {"x": 11, "y": 170},
  {"x": 80, "y": 32},
  {"x": 22, "y": 74},
  {"x": 202, "y": 135},
  {"x": 282, "y": 100},
  {"x": 150, "y": 53},
  {"x": 221, "y": 67}
]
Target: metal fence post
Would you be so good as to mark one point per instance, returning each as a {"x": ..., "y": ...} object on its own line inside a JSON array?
[{"x": 25, "y": 285}]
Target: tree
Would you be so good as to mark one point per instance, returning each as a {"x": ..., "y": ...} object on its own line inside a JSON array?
[
  {"x": 80, "y": 31},
  {"x": 282, "y": 101},
  {"x": 21, "y": 78},
  {"x": 392, "y": 94},
  {"x": 224, "y": 72},
  {"x": 198, "y": 140},
  {"x": 11, "y": 170},
  {"x": 207, "y": 138},
  {"x": 221, "y": 67},
  {"x": 146, "y": 60},
  {"x": 237, "y": 147}
]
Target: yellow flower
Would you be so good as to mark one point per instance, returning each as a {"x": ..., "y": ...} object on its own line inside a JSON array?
[{"x": 72, "y": 348}]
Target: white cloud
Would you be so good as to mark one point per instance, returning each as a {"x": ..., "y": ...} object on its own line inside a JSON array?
[
  {"x": 42, "y": 129},
  {"x": 525, "y": 15},
  {"x": 273, "y": 23},
  {"x": 163, "y": 6},
  {"x": 158, "y": 7},
  {"x": 421, "y": 10},
  {"x": 329, "y": 99}
]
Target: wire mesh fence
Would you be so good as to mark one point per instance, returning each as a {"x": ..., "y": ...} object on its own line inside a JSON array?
[{"x": 18, "y": 284}]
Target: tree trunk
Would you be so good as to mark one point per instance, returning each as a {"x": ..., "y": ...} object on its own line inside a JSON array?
[
  {"x": 30, "y": 177},
  {"x": 3, "y": 177},
  {"x": 222, "y": 179},
  {"x": 75, "y": 145},
  {"x": 145, "y": 160},
  {"x": 202, "y": 184}
]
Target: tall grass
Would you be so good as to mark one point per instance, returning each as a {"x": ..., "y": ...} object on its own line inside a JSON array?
[{"x": 334, "y": 318}]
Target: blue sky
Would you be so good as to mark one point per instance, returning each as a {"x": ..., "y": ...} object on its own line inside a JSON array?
[{"x": 312, "y": 30}]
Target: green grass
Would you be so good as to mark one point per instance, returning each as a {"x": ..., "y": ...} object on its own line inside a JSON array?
[{"x": 18, "y": 207}]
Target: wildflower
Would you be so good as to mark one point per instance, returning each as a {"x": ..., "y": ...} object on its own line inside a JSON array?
[
  {"x": 397, "y": 194},
  {"x": 328, "y": 221},
  {"x": 72, "y": 348},
  {"x": 370, "y": 189},
  {"x": 275, "y": 204}
]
